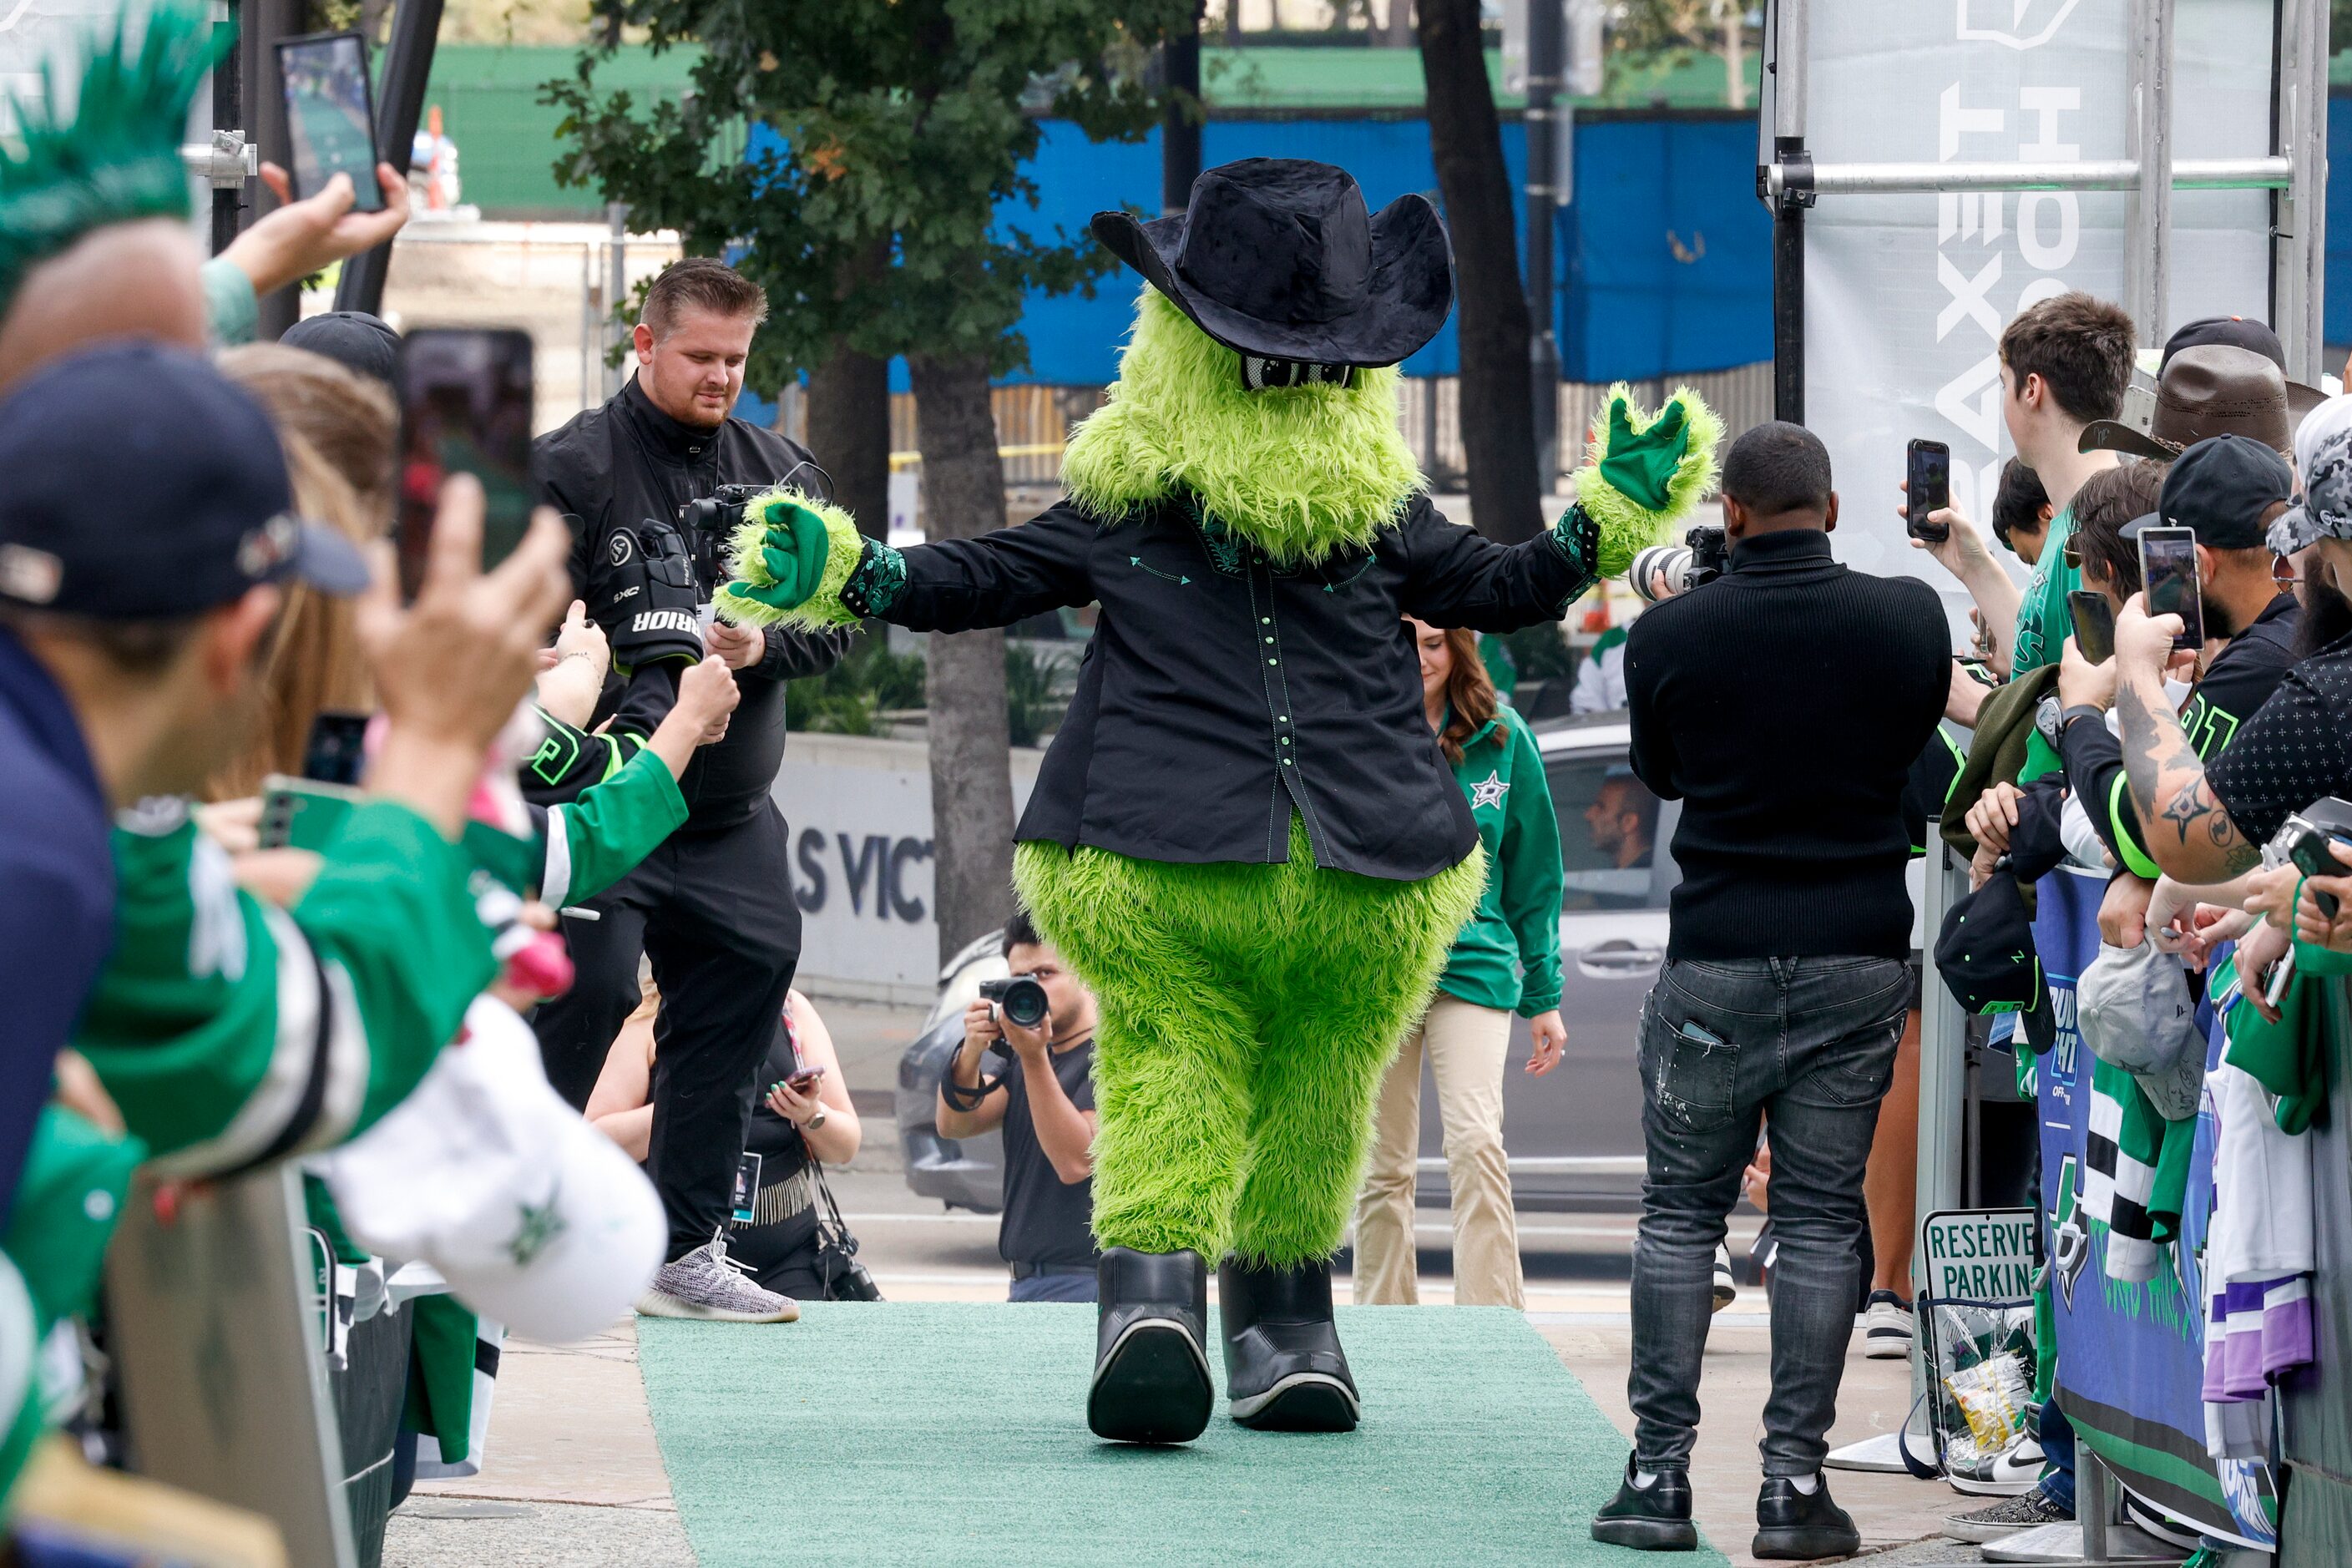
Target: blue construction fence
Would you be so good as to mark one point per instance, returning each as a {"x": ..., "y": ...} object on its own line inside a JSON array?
[{"x": 1664, "y": 254}]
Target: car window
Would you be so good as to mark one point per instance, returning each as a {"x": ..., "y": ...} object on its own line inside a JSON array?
[{"x": 1607, "y": 832}]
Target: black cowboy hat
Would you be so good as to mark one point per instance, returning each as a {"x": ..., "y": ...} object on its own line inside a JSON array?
[{"x": 1278, "y": 256}]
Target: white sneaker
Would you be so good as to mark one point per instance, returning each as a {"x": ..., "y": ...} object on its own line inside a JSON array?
[
  {"x": 704, "y": 1284},
  {"x": 1886, "y": 1327},
  {"x": 1726, "y": 1290}
]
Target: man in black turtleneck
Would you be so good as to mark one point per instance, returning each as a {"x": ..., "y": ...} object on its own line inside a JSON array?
[
  {"x": 712, "y": 907},
  {"x": 1784, "y": 704}
]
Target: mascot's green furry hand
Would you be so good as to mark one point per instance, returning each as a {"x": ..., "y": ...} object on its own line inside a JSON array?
[
  {"x": 801, "y": 563},
  {"x": 1642, "y": 474},
  {"x": 792, "y": 551},
  {"x": 1640, "y": 462}
]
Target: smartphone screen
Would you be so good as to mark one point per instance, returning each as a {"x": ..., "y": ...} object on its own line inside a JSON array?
[
  {"x": 330, "y": 115},
  {"x": 2095, "y": 625},
  {"x": 2168, "y": 566},
  {"x": 465, "y": 407},
  {"x": 337, "y": 752},
  {"x": 1928, "y": 488}
]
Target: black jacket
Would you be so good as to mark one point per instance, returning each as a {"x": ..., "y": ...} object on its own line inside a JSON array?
[
  {"x": 616, "y": 466},
  {"x": 1784, "y": 704},
  {"x": 1220, "y": 694}
]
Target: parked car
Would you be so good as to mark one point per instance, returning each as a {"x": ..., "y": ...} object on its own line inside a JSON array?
[{"x": 1575, "y": 1134}]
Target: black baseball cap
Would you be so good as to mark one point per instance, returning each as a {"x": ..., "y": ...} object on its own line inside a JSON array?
[
  {"x": 1985, "y": 951},
  {"x": 362, "y": 344},
  {"x": 2220, "y": 487},
  {"x": 143, "y": 485}
]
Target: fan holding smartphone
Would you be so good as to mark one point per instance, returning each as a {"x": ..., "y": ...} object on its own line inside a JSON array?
[{"x": 331, "y": 115}]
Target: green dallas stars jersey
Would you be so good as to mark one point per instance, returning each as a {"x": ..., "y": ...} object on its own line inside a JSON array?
[{"x": 231, "y": 1033}]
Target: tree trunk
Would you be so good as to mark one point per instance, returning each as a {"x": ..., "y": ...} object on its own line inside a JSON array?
[
  {"x": 849, "y": 433},
  {"x": 1399, "y": 31},
  {"x": 971, "y": 762},
  {"x": 1733, "y": 15},
  {"x": 1465, "y": 139}
]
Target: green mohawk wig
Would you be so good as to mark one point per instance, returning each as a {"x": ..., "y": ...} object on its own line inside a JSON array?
[{"x": 114, "y": 157}]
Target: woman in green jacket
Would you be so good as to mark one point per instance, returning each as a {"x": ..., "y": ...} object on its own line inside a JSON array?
[{"x": 1506, "y": 960}]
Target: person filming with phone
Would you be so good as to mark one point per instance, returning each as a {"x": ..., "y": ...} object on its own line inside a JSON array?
[
  {"x": 711, "y": 907},
  {"x": 1044, "y": 1099}
]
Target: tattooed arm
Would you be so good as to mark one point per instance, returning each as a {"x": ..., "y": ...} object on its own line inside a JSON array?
[{"x": 2189, "y": 833}]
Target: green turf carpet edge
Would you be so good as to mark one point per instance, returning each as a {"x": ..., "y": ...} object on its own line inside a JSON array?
[{"x": 954, "y": 1434}]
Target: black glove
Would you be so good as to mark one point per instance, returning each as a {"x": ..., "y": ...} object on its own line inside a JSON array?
[{"x": 644, "y": 594}]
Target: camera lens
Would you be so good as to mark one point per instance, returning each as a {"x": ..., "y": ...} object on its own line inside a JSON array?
[
  {"x": 1025, "y": 1002},
  {"x": 1672, "y": 560}
]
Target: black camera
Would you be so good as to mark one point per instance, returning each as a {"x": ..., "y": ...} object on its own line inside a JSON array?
[
  {"x": 1018, "y": 999},
  {"x": 720, "y": 512},
  {"x": 1704, "y": 555}
]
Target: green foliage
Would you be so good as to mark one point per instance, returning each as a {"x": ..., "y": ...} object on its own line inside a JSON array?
[
  {"x": 851, "y": 698},
  {"x": 1033, "y": 696},
  {"x": 882, "y": 137}
]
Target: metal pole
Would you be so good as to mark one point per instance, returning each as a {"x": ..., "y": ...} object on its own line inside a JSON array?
[
  {"x": 616, "y": 287},
  {"x": 1782, "y": 179},
  {"x": 400, "y": 103},
  {"x": 2299, "y": 211},
  {"x": 1180, "y": 124},
  {"x": 2148, "y": 221},
  {"x": 1788, "y": 197},
  {"x": 1547, "y": 51},
  {"x": 228, "y": 201},
  {"x": 1943, "y": 1050}
]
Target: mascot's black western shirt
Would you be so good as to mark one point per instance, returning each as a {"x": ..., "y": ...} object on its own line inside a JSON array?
[
  {"x": 1222, "y": 694},
  {"x": 616, "y": 466}
]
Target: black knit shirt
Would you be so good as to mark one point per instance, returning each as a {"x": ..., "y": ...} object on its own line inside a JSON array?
[{"x": 1783, "y": 705}]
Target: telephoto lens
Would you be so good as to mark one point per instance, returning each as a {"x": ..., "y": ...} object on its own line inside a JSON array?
[
  {"x": 1672, "y": 560},
  {"x": 1019, "y": 999}
]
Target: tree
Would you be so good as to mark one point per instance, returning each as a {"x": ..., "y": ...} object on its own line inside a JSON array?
[
  {"x": 819, "y": 137},
  {"x": 1651, "y": 31},
  {"x": 1466, "y": 140}
]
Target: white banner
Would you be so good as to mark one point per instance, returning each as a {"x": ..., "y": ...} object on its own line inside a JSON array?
[
  {"x": 860, "y": 815},
  {"x": 1905, "y": 296}
]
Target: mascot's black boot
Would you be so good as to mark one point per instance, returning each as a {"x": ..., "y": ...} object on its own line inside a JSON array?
[
  {"x": 1284, "y": 1369},
  {"x": 1151, "y": 1365}
]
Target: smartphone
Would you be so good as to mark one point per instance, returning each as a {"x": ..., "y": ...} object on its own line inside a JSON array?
[
  {"x": 331, "y": 115},
  {"x": 1926, "y": 488},
  {"x": 2095, "y": 625},
  {"x": 465, "y": 407},
  {"x": 2167, "y": 568},
  {"x": 804, "y": 1081},
  {"x": 337, "y": 752},
  {"x": 302, "y": 814}
]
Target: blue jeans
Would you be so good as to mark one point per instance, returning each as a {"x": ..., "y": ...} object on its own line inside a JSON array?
[
  {"x": 2057, "y": 1436},
  {"x": 1072, "y": 1285},
  {"x": 1805, "y": 1045}
]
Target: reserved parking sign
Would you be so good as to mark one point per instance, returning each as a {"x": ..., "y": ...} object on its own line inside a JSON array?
[{"x": 1979, "y": 1255}]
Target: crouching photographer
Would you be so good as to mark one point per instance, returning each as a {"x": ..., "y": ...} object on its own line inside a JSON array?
[{"x": 1044, "y": 1099}]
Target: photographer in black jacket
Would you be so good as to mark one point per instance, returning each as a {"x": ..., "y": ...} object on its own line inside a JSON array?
[
  {"x": 713, "y": 905},
  {"x": 1785, "y": 987}
]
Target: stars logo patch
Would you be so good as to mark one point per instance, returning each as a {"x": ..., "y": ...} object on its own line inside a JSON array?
[{"x": 1488, "y": 791}]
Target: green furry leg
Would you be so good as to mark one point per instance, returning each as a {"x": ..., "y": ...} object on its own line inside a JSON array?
[
  {"x": 1361, "y": 961},
  {"x": 1247, "y": 1013}
]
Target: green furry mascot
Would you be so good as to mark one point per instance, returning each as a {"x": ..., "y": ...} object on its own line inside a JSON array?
[{"x": 1244, "y": 837}]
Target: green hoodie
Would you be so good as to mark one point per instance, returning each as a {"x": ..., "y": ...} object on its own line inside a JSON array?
[{"x": 1515, "y": 930}]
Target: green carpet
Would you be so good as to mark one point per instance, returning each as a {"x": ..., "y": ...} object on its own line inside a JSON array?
[{"x": 953, "y": 1434}]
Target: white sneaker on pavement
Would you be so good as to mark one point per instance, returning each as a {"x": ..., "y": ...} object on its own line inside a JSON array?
[
  {"x": 1886, "y": 1327},
  {"x": 1726, "y": 1290},
  {"x": 704, "y": 1284}
]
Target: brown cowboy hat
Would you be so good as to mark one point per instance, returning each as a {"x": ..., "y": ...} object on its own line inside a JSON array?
[{"x": 2205, "y": 390}]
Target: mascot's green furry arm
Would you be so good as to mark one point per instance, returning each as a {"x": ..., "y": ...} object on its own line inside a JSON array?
[{"x": 1244, "y": 839}]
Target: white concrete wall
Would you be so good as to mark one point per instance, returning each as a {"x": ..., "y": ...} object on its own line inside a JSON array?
[{"x": 860, "y": 814}]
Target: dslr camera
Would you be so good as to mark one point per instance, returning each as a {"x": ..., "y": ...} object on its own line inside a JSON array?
[
  {"x": 2303, "y": 839},
  {"x": 1017, "y": 999},
  {"x": 1704, "y": 555}
]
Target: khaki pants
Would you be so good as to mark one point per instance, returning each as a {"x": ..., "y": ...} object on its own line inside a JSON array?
[{"x": 1467, "y": 1045}]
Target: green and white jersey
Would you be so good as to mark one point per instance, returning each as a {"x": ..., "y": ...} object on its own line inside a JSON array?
[
  {"x": 232, "y": 1033},
  {"x": 599, "y": 836}
]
